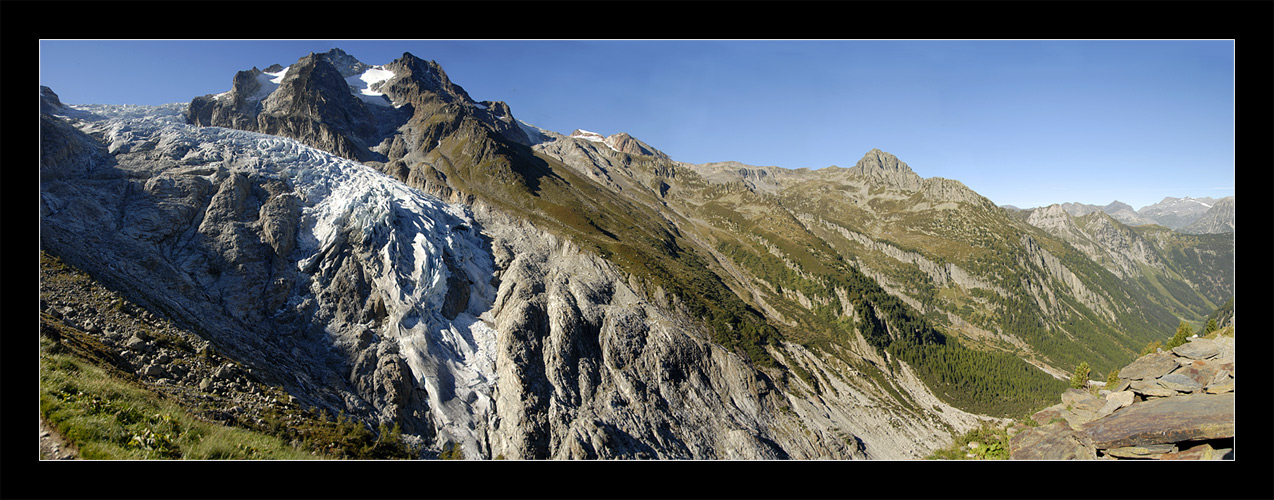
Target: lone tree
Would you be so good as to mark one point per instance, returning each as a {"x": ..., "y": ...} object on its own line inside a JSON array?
[
  {"x": 1080, "y": 379},
  {"x": 1183, "y": 332}
]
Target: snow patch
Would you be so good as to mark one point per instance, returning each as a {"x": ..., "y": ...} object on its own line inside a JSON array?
[
  {"x": 588, "y": 136},
  {"x": 593, "y": 137},
  {"x": 367, "y": 85}
]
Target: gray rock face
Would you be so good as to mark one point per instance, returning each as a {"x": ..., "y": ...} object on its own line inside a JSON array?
[
  {"x": 884, "y": 167},
  {"x": 314, "y": 105},
  {"x": 1121, "y": 250},
  {"x": 589, "y": 369},
  {"x": 311, "y": 103}
]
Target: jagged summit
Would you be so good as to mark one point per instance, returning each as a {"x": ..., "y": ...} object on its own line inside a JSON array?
[
  {"x": 621, "y": 142},
  {"x": 886, "y": 168},
  {"x": 882, "y": 161},
  {"x": 347, "y": 65},
  {"x": 335, "y": 102}
]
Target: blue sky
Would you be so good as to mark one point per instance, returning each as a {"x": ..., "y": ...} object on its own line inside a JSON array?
[{"x": 1027, "y": 123}]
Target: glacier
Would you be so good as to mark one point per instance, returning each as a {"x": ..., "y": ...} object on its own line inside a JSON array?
[{"x": 418, "y": 241}]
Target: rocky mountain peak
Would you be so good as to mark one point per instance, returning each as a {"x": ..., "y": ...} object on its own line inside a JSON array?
[
  {"x": 1116, "y": 206},
  {"x": 880, "y": 160},
  {"x": 316, "y": 89},
  {"x": 587, "y": 135},
  {"x": 628, "y": 144},
  {"x": 346, "y": 64},
  {"x": 414, "y": 75},
  {"x": 1053, "y": 218},
  {"x": 49, "y": 101},
  {"x": 886, "y": 168}
]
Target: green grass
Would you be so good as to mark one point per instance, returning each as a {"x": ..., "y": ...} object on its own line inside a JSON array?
[
  {"x": 992, "y": 443},
  {"x": 108, "y": 417}
]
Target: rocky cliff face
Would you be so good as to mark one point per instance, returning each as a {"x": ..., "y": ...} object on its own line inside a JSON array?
[{"x": 1120, "y": 250}]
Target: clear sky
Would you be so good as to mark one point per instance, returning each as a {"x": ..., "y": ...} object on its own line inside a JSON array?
[{"x": 1026, "y": 123}]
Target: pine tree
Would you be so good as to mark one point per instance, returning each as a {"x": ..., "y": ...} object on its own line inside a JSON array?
[
  {"x": 1183, "y": 333},
  {"x": 1211, "y": 327},
  {"x": 1080, "y": 379}
]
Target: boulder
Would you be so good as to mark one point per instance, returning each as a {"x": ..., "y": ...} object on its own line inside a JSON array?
[
  {"x": 1051, "y": 442},
  {"x": 1200, "y": 452},
  {"x": 1197, "y": 349},
  {"x": 1179, "y": 382},
  {"x": 1076, "y": 396},
  {"x": 154, "y": 371},
  {"x": 1225, "y": 347},
  {"x": 1220, "y": 388},
  {"x": 135, "y": 343},
  {"x": 1149, "y": 366},
  {"x": 1153, "y": 451},
  {"x": 1151, "y": 388},
  {"x": 1167, "y": 420},
  {"x": 1200, "y": 371},
  {"x": 1115, "y": 401}
]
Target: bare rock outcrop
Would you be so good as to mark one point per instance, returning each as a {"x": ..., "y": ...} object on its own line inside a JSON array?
[{"x": 1176, "y": 404}]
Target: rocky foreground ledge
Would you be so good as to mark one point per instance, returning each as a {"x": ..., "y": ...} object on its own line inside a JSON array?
[{"x": 1174, "y": 405}]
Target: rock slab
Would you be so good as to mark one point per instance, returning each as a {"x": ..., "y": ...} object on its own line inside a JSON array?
[
  {"x": 1055, "y": 441},
  {"x": 1183, "y": 418}
]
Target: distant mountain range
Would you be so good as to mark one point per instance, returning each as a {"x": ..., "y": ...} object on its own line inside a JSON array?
[{"x": 1188, "y": 215}]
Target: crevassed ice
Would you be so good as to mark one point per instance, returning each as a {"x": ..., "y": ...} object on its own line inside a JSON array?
[{"x": 409, "y": 232}]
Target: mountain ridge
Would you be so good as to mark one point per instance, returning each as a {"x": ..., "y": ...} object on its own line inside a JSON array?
[
  {"x": 1179, "y": 214},
  {"x": 631, "y": 299}
]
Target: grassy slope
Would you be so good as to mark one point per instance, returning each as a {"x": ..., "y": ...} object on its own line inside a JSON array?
[{"x": 90, "y": 395}]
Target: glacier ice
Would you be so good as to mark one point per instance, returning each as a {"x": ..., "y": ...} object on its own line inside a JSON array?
[{"x": 409, "y": 233}]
